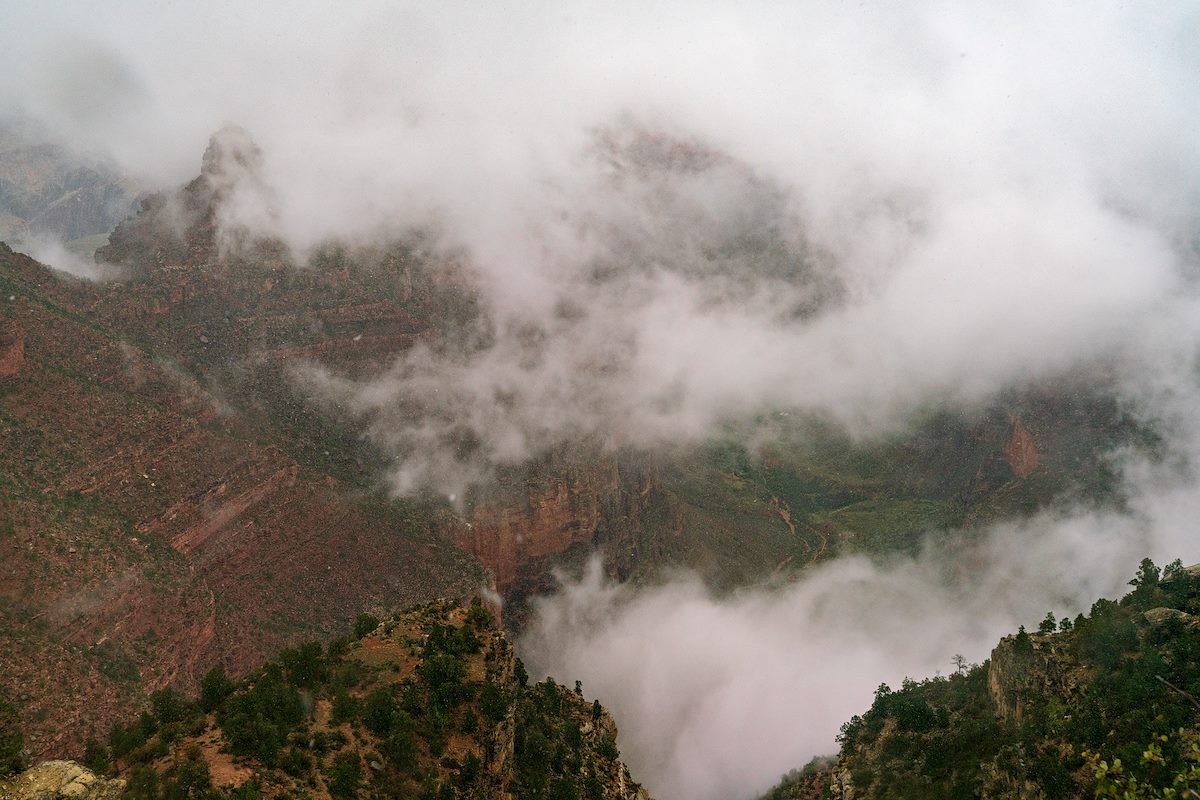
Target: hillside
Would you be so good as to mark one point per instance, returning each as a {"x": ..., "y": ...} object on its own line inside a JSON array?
[
  {"x": 430, "y": 703},
  {"x": 1079, "y": 707},
  {"x": 145, "y": 540}
]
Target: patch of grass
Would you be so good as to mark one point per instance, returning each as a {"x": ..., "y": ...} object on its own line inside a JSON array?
[{"x": 883, "y": 525}]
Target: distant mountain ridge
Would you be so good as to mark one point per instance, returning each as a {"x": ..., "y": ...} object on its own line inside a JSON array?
[{"x": 48, "y": 192}]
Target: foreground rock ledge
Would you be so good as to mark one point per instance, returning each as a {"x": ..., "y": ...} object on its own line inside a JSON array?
[{"x": 52, "y": 780}]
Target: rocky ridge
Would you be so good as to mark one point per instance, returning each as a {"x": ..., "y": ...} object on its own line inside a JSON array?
[{"x": 431, "y": 703}]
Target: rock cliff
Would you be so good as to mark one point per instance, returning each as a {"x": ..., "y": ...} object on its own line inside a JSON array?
[{"x": 1031, "y": 668}]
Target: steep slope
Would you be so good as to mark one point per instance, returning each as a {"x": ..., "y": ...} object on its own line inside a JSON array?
[
  {"x": 1039, "y": 717},
  {"x": 237, "y": 314},
  {"x": 432, "y": 703},
  {"x": 145, "y": 541}
]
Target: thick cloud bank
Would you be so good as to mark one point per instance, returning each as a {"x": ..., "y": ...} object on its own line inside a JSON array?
[{"x": 681, "y": 212}]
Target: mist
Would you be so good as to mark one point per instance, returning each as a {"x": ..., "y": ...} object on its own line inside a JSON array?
[
  {"x": 719, "y": 697},
  {"x": 54, "y": 253},
  {"x": 677, "y": 215}
]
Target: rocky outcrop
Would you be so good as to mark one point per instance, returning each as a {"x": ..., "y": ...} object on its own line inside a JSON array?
[
  {"x": 841, "y": 784},
  {"x": 1160, "y": 616},
  {"x": 194, "y": 226},
  {"x": 1020, "y": 451},
  {"x": 503, "y": 537},
  {"x": 60, "y": 780},
  {"x": 12, "y": 348},
  {"x": 1039, "y": 666}
]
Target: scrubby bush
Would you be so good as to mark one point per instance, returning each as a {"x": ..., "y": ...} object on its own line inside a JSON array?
[
  {"x": 344, "y": 775},
  {"x": 364, "y": 624}
]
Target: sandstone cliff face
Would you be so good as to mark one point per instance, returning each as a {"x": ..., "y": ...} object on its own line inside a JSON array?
[
  {"x": 60, "y": 780},
  {"x": 519, "y": 537},
  {"x": 503, "y": 537},
  {"x": 1016, "y": 674}
]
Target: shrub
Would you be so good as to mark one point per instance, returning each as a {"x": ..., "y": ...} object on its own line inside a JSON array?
[
  {"x": 344, "y": 775},
  {"x": 214, "y": 688},
  {"x": 364, "y": 624},
  {"x": 378, "y": 712},
  {"x": 346, "y": 707}
]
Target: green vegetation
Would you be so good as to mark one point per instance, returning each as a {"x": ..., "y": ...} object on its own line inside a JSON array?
[
  {"x": 808, "y": 491},
  {"x": 1115, "y": 782},
  {"x": 364, "y": 624},
  {"x": 1126, "y": 672},
  {"x": 418, "y": 708}
]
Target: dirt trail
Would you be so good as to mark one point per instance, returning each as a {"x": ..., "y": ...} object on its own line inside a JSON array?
[
  {"x": 781, "y": 508},
  {"x": 779, "y": 567},
  {"x": 822, "y": 532}
]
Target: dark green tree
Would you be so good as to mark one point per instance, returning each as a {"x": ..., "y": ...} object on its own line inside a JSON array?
[
  {"x": 401, "y": 748},
  {"x": 346, "y": 707},
  {"x": 214, "y": 688},
  {"x": 187, "y": 779},
  {"x": 478, "y": 616},
  {"x": 96, "y": 757},
  {"x": 521, "y": 675},
  {"x": 1023, "y": 645},
  {"x": 1148, "y": 575},
  {"x": 379, "y": 710},
  {"x": 168, "y": 706},
  {"x": 304, "y": 665},
  {"x": 364, "y": 624},
  {"x": 344, "y": 775}
]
